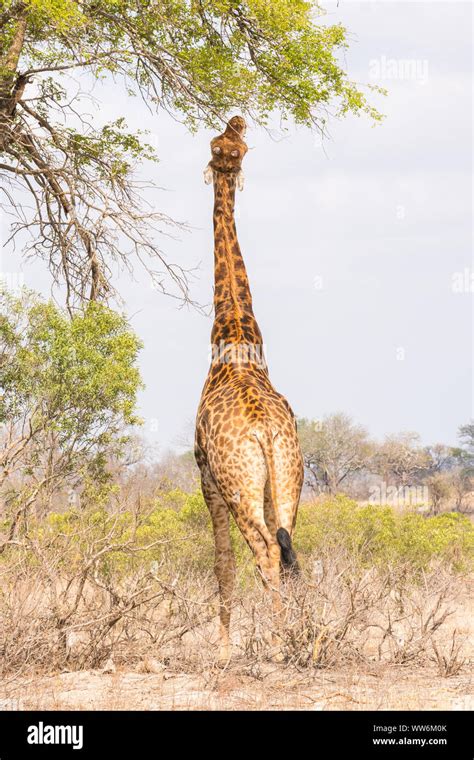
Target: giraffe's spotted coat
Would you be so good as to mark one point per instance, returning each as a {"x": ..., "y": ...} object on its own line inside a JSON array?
[{"x": 246, "y": 443}]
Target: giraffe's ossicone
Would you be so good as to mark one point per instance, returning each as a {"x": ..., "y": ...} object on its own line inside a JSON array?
[{"x": 246, "y": 442}]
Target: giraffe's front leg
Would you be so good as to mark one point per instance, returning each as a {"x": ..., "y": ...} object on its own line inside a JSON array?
[{"x": 224, "y": 563}]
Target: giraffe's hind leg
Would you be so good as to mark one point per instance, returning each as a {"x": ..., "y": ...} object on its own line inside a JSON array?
[
  {"x": 224, "y": 566},
  {"x": 250, "y": 518},
  {"x": 285, "y": 587},
  {"x": 289, "y": 567}
]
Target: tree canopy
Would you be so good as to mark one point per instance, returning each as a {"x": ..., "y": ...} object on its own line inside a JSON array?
[
  {"x": 334, "y": 449},
  {"x": 198, "y": 60},
  {"x": 68, "y": 392}
]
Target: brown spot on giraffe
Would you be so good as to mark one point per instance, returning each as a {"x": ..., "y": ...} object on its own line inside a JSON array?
[{"x": 246, "y": 443}]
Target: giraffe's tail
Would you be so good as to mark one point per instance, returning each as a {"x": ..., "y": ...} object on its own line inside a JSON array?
[{"x": 289, "y": 561}]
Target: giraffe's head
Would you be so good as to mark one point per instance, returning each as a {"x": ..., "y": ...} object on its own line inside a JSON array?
[{"x": 228, "y": 151}]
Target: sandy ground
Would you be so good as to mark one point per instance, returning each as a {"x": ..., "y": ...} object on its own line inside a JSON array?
[{"x": 265, "y": 687}]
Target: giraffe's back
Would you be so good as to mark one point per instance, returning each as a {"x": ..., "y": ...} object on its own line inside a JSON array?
[{"x": 234, "y": 418}]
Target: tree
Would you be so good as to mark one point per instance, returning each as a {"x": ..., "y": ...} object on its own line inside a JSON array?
[
  {"x": 177, "y": 471},
  {"x": 439, "y": 457},
  {"x": 462, "y": 483},
  {"x": 68, "y": 390},
  {"x": 333, "y": 450},
  {"x": 198, "y": 60},
  {"x": 466, "y": 450},
  {"x": 400, "y": 458},
  {"x": 463, "y": 456},
  {"x": 440, "y": 490}
]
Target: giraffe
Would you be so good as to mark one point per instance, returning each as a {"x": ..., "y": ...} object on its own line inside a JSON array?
[{"x": 246, "y": 444}]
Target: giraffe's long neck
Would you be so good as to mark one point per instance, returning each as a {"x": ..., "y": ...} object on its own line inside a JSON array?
[{"x": 234, "y": 319}]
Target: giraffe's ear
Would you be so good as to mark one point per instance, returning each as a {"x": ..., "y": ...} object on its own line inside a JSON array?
[
  {"x": 208, "y": 175},
  {"x": 240, "y": 180}
]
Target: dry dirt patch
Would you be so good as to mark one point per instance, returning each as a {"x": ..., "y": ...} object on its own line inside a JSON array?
[{"x": 241, "y": 687}]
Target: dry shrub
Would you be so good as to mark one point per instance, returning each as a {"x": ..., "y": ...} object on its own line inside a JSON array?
[
  {"x": 352, "y": 614},
  {"x": 78, "y": 589},
  {"x": 74, "y": 592},
  {"x": 450, "y": 661}
]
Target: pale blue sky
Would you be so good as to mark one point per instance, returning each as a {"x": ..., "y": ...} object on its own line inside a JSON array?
[{"x": 351, "y": 247}]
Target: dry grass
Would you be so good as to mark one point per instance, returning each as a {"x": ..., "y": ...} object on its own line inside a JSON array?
[
  {"x": 95, "y": 614},
  {"x": 353, "y": 638}
]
